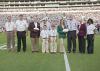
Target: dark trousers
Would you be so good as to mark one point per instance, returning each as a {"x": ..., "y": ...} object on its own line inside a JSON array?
[
  {"x": 71, "y": 40},
  {"x": 98, "y": 29},
  {"x": 90, "y": 43},
  {"x": 82, "y": 44},
  {"x": 21, "y": 36}
]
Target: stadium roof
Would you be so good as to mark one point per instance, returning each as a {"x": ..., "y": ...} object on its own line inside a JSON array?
[{"x": 42, "y": 0}]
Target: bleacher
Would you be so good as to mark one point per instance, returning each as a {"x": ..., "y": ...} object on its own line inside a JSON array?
[
  {"x": 56, "y": 7},
  {"x": 47, "y": 4}
]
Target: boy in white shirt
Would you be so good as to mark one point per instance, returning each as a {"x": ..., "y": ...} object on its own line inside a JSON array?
[
  {"x": 53, "y": 38},
  {"x": 45, "y": 37}
]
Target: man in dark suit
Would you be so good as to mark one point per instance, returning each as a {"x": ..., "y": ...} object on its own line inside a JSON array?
[{"x": 34, "y": 28}]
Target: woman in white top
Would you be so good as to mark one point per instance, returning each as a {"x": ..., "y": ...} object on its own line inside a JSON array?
[{"x": 90, "y": 36}]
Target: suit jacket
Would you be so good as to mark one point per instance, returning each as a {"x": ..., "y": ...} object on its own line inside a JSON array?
[{"x": 34, "y": 33}]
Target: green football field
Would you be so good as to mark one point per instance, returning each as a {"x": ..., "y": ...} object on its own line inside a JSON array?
[{"x": 28, "y": 61}]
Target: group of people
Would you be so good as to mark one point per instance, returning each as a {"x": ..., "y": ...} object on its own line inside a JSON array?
[
  {"x": 85, "y": 29},
  {"x": 49, "y": 32}
]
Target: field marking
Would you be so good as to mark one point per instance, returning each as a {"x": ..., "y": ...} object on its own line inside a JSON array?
[
  {"x": 66, "y": 61},
  {"x": 2, "y": 47},
  {"x": 2, "y": 44},
  {"x": 67, "y": 66}
]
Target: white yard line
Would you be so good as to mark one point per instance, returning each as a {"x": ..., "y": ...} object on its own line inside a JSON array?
[
  {"x": 2, "y": 47},
  {"x": 66, "y": 61},
  {"x": 2, "y": 44}
]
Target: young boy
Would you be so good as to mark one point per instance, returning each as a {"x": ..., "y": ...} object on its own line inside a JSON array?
[
  {"x": 53, "y": 38},
  {"x": 45, "y": 37}
]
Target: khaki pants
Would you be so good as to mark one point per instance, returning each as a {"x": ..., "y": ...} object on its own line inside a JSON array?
[
  {"x": 53, "y": 44},
  {"x": 35, "y": 44},
  {"x": 61, "y": 49},
  {"x": 10, "y": 40},
  {"x": 45, "y": 46}
]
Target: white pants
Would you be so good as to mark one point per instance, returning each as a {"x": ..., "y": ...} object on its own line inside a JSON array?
[
  {"x": 61, "y": 45},
  {"x": 45, "y": 46},
  {"x": 53, "y": 44}
]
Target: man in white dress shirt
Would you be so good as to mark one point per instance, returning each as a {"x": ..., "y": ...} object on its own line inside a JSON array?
[
  {"x": 10, "y": 31},
  {"x": 72, "y": 26},
  {"x": 21, "y": 27}
]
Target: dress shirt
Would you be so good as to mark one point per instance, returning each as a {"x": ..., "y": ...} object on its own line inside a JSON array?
[
  {"x": 71, "y": 25},
  {"x": 9, "y": 26},
  {"x": 21, "y": 25}
]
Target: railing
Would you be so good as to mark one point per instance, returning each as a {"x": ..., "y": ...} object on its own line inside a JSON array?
[
  {"x": 38, "y": 10},
  {"x": 41, "y": 5},
  {"x": 48, "y": 2}
]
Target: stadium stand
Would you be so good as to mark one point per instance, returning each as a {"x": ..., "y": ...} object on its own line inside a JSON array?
[{"x": 54, "y": 9}]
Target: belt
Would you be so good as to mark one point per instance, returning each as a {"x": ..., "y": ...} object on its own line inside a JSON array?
[
  {"x": 45, "y": 38},
  {"x": 9, "y": 31},
  {"x": 21, "y": 31},
  {"x": 52, "y": 36},
  {"x": 72, "y": 31}
]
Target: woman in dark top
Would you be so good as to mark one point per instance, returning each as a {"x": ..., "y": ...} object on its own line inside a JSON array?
[{"x": 81, "y": 36}]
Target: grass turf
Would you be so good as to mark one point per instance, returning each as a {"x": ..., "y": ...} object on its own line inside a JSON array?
[
  {"x": 2, "y": 38},
  {"x": 28, "y": 61},
  {"x": 31, "y": 62},
  {"x": 12, "y": 61},
  {"x": 86, "y": 62}
]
